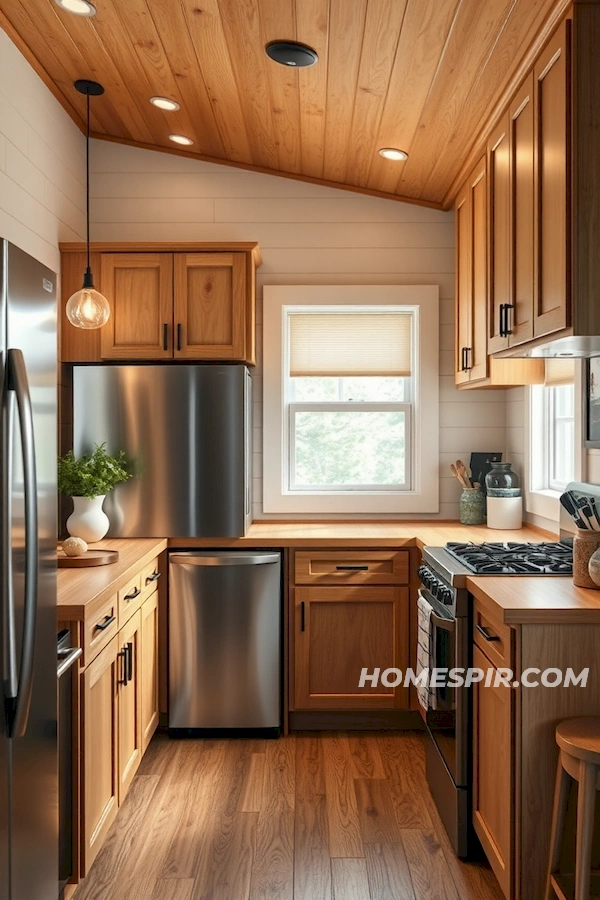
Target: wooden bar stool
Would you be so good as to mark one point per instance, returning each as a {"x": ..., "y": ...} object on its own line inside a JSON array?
[{"x": 579, "y": 745}]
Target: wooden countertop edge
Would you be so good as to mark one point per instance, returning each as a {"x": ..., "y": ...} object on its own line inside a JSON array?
[
  {"x": 584, "y": 612},
  {"x": 69, "y": 612}
]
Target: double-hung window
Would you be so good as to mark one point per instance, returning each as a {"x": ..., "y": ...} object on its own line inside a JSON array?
[
  {"x": 344, "y": 387},
  {"x": 552, "y": 420}
]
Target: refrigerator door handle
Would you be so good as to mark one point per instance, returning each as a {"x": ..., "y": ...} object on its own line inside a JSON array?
[{"x": 18, "y": 382}]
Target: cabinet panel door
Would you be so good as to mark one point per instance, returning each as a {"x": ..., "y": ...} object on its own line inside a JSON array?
[
  {"x": 100, "y": 746},
  {"x": 139, "y": 288},
  {"x": 149, "y": 669},
  {"x": 464, "y": 295},
  {"x": 552, "y": 184},
  {"x": 521, "y": 115},
  {"x": 499, "y": 232},
  {"x": 210, "y": 306},
  {"x": 130, "y": 713},
  {"x": 340, "y": 631},
  {"x": 493, "y": 747},
  {"x": 478, "y": 351}
]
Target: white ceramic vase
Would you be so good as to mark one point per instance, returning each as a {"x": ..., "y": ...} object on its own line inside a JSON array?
[{"x": 88, "y": 520}]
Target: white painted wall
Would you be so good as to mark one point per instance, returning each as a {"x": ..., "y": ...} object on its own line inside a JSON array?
[
  {"x": 42, "y": 163},
  {"x": 308, "y": 235}
]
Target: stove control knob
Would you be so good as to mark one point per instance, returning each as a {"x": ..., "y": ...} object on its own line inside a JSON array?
[
  {"x": 425, "y": 576},
  {"x": 445, "y": 595}
]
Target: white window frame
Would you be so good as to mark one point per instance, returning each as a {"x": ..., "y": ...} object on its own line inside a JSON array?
[{"x": 423, "y": 457}]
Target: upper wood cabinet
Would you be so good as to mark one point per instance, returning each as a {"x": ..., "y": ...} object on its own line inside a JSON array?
[
  {"x": 210, "y": 305},
  {"x": 498, "y": 153},
  {"x": 139, "y": 288},
  {"x": 179, "y": 301}
]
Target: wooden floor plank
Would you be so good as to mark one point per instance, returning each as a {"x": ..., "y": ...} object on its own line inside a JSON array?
[
  {"x": 405, "y": 773},
  {"x": 310, "y": 766},
  {"x": 173, "y": 889},
  {"x": 388, "y": 872},
  {"x": 428, "y": 868},
  {"x": 226, "y": 856},
  {"x": 312, "y": 868},
  {"x": 252, "y": 795},
  {"x": 345, "y": 837},
  {"x": 365, "y": 756},
  {"x": 280, "y": 775},
  {"x": 273, "y": 868},
  {"x": 349, "y": 878},
  {"x": 376, "y": 811}
]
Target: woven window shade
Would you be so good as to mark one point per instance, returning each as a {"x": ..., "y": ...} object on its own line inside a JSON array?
[
  {"x": 559, "y": 370},
  {"x": 349, "y": 344}
]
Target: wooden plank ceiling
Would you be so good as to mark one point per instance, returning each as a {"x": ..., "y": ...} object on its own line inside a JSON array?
[{"x": 421, "y": 75}]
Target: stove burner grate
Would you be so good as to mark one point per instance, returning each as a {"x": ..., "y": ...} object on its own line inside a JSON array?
[{"x": 514, "y": 558}]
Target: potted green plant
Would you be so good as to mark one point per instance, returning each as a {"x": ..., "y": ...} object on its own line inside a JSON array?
[{"x": 87, "y": 481}]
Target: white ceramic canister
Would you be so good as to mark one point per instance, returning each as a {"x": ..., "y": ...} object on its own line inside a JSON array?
[{"x": 505, "y": 512}]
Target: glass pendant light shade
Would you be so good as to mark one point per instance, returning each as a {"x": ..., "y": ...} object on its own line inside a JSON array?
[{"x": 88, "y": 308}]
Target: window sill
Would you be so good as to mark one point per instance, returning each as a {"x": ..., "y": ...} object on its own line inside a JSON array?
[{"x": 544, "y": 503}]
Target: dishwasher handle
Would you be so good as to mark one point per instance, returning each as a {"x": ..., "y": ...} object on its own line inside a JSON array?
[{"x": 224, "y": 559}]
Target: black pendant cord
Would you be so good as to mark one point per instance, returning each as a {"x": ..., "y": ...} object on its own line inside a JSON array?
[{"x": 87, "y": 182}]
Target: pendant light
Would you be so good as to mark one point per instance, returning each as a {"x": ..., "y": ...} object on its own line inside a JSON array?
[{"x": 88, "y": 308}]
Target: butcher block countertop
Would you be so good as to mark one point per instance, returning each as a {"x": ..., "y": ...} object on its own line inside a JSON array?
[
  {"x": 522, "y": 600},
  {"x": 80, "y": 588}
]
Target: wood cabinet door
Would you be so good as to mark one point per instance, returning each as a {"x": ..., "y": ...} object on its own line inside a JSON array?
[
  {"x": 521, "y": 116},
  {"x": 338, "y": 632},
  {"x": 477, "y": 358},
  {"x": 464, "y": 293},
  {"x": 99, "y": 751},
  {"x": 139, "y": 288},
  {"x": 210, "y": 306},
  {"x": 149, "y": 669},
  {"x": 499, "y": 232},
  {"x": 552, "y": 184},
  {"x": 493, "y": 772},
  {"x": 130, "y": 713}
]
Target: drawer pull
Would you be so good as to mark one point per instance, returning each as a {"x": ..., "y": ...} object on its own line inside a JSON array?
[
  {"x": 135, "y": 593},
  {"x": 130, "y": 661},
  {"x": 303, "y": 616},
  {"x": 102, "y": 626},
  {"x": 485, "y": 633},
  {"x": 165, "y": 336},
  {"x": 352, "y": 568},
  {"x": 123, "y": 655},
  {"x": 153, "y": 577},
  {"x": 179, "y": 336}
]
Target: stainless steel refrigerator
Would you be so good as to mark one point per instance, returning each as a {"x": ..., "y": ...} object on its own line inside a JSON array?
[
  {"x": 187, "y": 434},
  {"x": 28, "y": 741}
]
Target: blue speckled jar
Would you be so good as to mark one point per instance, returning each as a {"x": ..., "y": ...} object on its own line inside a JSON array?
[{"x": 472, "y": 507}]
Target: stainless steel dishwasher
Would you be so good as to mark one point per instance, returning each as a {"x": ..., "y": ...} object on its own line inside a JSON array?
[{"x": 225, "y": 640}]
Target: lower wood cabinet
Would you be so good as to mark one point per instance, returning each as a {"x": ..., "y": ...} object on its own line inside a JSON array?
[
  {"x": 493, "y": 709},
  {"x": 340, "y": 630},
  {"x": 99, "y": 751},
  {"x": 149, "y": 684},
  {"x": 119, "y": 714}
]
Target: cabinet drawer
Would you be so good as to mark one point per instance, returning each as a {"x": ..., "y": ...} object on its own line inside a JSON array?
[
  {"x": 149, "y": 578},
  {"x": 130, "y": 598},
  {"x": 492, "y": 636},
  {"x": 99, "y": 629},
  {"x": 351, "y": 567}
]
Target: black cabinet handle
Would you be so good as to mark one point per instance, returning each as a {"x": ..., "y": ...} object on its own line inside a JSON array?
[
  {"x": 468, "y": 365},
  {"x": 102, "y": 626},
  {"x": 303, "y": 616},
  {"x": 462, "y": 359},
  {"x": 165, "y": 336},
  {"x": 179, "y": 335},
  {"x": 501, "y": 320},
  {"x": 135, "y": 593},
  {"x": 130, "y": 661},
  {"x": 152, "y": 578},
  {"x": 352, "y": 568},
  {"x": 487, "y": 636},
  {"x": 122, "y": 654},
  {"x": 507, "y": 330}
]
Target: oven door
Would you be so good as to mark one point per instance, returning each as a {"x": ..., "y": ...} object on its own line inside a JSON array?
[{"x": 448, "y": 720}]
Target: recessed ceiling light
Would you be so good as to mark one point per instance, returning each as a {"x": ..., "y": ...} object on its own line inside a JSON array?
[
  {"x": 180, "y": 139},
  {"x": 78, "y": 7},
  {"x": 291, "y": 53},
  {"x": 393, "y": 153},
  {"x": 165, "y": 103}
]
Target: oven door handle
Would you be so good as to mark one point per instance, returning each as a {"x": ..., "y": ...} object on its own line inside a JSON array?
[{"x": 444, "y": 624}]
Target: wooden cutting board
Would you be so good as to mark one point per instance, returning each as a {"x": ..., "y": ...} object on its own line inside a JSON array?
[{"x": 91, "y": 558}]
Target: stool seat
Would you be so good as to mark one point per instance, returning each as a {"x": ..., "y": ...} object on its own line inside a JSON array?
[
  {"x": 579, "y": 759},
  {"x": 580, "y": 738}
]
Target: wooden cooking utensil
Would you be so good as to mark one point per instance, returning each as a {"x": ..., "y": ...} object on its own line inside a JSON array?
[
  {"x": 460, "y": 466},
  {"x": 458, "y": 475}
]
